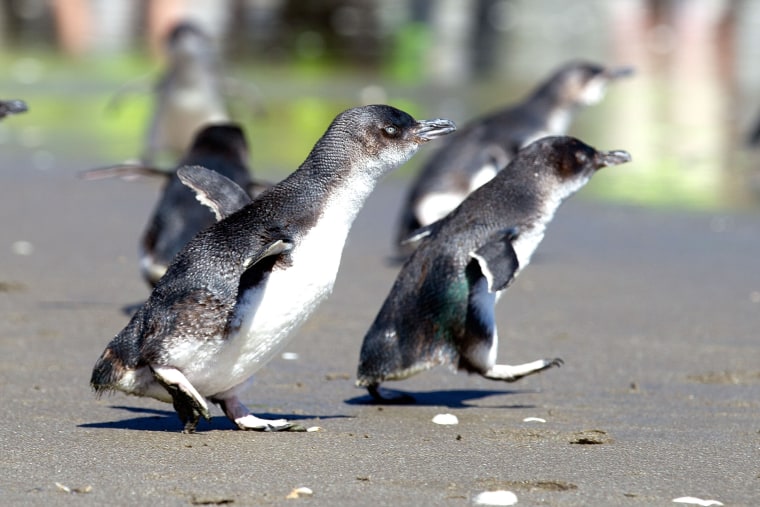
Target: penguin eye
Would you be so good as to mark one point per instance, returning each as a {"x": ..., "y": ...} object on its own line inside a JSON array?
[{"x": 391, "y": 130}]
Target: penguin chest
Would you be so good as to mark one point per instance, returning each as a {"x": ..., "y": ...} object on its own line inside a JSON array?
[{"x": 267, "y": 314}]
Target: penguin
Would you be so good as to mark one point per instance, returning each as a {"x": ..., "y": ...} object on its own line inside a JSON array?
[
  {"x": 238, "y": 289},
  {"x": 12, "y": 107},
  {"x": 484, "y": 146},
  {"x": 440, "y": 309},
  {"x": 178, "y": 216}
]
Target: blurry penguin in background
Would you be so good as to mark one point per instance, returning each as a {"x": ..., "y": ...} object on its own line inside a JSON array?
[
  {"x": 476, "y": 152},
  {"x": 178, "y": 216},
  {"x": 191, "y": 93}
]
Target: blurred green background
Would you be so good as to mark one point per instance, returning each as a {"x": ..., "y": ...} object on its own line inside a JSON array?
[{"x": 685, "y": 116}]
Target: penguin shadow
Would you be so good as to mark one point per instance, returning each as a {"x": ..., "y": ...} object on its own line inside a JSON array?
[
  {"x": 450, "y": 398},
  {"x": 150, "y": 419}
]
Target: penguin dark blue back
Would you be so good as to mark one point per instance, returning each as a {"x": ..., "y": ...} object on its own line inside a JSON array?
[
  {"x": 440, "y": 310},
  {"x": 484, "y": 146},
  {"x": 239, "y": 288}
]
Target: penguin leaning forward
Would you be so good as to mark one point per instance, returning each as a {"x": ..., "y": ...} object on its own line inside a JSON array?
[
  {"x": 234, "y": 294},
  {"x": 485, "y": 145},
  {"x": 440, "y": 309}
]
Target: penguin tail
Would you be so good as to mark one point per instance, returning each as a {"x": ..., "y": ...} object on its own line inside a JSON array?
[{"x": 107, "y": 372}]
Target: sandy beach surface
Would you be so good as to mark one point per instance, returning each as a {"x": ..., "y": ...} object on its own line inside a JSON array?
[{"x": 656, "y": 314}]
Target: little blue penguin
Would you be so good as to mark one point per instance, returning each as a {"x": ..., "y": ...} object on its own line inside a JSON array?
[
  {"x": 485, "y": 145},
  {"x": 178, "y": 216},
  {"x": 12, "y": 107},
  {"x": 440, "y": 309},
  {"x": 238, "y": 289}
]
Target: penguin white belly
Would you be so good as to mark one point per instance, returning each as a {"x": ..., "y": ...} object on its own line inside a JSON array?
[{"x": 267, "y": 315}]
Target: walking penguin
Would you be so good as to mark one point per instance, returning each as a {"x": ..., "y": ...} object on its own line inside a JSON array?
[
  {"x": 238, "y": 290},
  {"x": 440, "y": 309}
]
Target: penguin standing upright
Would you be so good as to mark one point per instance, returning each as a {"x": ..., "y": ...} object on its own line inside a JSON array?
[
  {"x": 440, "y": 309},
  {"x": 234, "y": 294},
  {"x": 484, "y": 146}
]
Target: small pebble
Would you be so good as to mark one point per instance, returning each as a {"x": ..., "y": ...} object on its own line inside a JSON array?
[
  {"x": 500, "y": 497},
  {"x": 696, "y": 501},
  {"x": 289, "y": 356},
  {"x": 299, "y": 493},
  {"x": 445, "y": 419},
  {"x": 66, "y": 489},
  {"x": 534, "y": 419},
  {"x": 313, "y": 429},
  {"x": 22, "y": 248}
]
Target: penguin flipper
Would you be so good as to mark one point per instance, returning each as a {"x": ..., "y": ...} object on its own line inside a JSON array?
[
  {"x": 497, "y": 260},
  {"x": 214, "y": 190},
  {"x": 478, "y": 346},
  {"x": 124, "y": 171}
]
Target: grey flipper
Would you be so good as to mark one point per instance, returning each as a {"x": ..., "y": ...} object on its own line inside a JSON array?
[
  {"x": 497, "y": 260},
  {"x": 492, "y": 269},
  {"x": 123, "y": 171},
  {"x": 214, "y": 190}
]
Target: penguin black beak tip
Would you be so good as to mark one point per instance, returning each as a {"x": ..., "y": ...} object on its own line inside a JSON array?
[
  {"x": 426, "y": 130},
  {"x": 614, "y": 157},
  {"x": 620, "y": 72}
]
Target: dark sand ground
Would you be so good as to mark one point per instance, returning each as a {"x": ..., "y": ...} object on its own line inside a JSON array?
[{"x": 656, "y": 314}]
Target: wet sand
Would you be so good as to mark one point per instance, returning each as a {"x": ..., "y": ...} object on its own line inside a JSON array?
[{"x": 656, "y": 314}]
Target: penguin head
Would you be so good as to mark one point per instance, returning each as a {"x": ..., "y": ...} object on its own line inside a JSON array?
[
  {"x": 569, "y": 160},
  {"x": 222, "y": 140},
  {"x": 381, "y": 135},
  {"x": 186, "y": 41},
  {"x": 582, "y": 83}
]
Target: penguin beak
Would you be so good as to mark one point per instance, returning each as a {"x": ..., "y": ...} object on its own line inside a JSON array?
[
  {"x": 619, "y": 72},
  {"x": 426, "y": 130},
  {"x": 608, "y": 158}
]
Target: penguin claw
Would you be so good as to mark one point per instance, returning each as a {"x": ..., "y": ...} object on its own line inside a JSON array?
[{"x": 388, "y": 397}]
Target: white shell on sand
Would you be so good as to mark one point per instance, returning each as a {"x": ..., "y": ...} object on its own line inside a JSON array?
[
  {"x": 696, "y": 501},
  {"x": 500, "y": 497},
  {"x": 445, "y": 419}
]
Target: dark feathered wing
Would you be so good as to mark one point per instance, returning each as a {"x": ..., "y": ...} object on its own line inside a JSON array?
[{"x": 222, "y": 195}]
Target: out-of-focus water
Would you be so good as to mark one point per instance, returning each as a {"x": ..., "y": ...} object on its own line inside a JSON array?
[{"x": 684, "y": 116}]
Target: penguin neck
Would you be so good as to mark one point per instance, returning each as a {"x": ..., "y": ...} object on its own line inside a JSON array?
[
  {"x": 338, "y": 185},
  {"x": 191, "y": 70}
]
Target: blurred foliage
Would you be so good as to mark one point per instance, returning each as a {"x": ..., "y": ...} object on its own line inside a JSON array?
[{"x": 74, "y": 117}]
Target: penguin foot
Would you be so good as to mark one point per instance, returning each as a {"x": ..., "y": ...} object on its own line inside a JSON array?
[
  {"x": 188, "y": 403},
  {"x": 238, "y": 413},
  {"x": 252, "y": 423},
  {"x": 511, "y": 373},
  {"x": 388, "y": 397}
]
